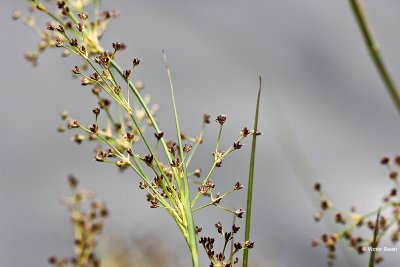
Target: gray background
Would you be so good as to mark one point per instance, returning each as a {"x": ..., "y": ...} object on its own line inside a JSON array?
[{"x": 316, "y": 73}]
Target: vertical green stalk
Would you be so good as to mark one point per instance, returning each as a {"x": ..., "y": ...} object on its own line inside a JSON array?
[
  {"x": 251, "y": 175},
  {"x": 375, "y": 241},
  {"x": 373, "y": 49},
  {"x": 191, "y": 238}
]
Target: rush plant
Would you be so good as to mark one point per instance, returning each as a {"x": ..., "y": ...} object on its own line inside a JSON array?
[{"x": 164, "y": 171}]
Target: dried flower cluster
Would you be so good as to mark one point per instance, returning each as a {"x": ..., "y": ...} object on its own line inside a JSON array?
[
  {"x": 87, "y": 217},
  {"x": 223, "y": 259},
  {"x": 165, "y": 177},
  {"x": 387, "y": 222}
]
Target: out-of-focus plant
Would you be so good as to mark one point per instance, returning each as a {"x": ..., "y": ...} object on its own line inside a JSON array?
[
  {"x": 165, "y": 175},
  {"x": 352, "y": 222},
  {"x": 373, "y": 49},
  {"x": 388, "y": 214},
  {"x": 87, "y": 216}
]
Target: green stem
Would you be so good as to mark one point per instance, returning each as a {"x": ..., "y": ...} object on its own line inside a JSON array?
[
  {"x": 204, "y": 206},
  {"x": 250, "y": 182},
  {"x": 145, "y": 107},
  {"x": 373, "y": 49},
  {"x": 374, "y": 243},
  {"x": 191, "y": 239}
]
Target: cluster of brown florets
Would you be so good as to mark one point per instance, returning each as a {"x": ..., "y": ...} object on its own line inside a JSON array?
[
  {"x": 73, "y": 16},
  {"x": 375, "y": 221},
  {"x": 227, "y": 257},
  {"x": 87, "y": 217},
  {"x": 207, "y": 185}
]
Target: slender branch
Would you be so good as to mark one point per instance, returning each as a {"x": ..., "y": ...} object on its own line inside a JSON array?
[
  {"x": 192, "y": 242},
  {"x": 373, "y": 49}
]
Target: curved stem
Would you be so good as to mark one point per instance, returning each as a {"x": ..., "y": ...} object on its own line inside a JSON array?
[{"x": 373, "y": 49}]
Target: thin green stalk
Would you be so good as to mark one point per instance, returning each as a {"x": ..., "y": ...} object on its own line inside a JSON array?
[
  {"x": 205, "y": 180},
  {"x": 373, "y": 49},
  {"x": 96, "y": 16},
  {"x": 374, "y": 242},
  {"x": 232, "y": 242},
  {"x": 203, "y": 206},
  {"x": 250, "y": 181},
  {"x": 191, "y": 239},
  {"x": 145, "y": 107}
]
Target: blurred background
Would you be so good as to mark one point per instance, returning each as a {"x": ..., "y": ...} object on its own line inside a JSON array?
[{"x": 325, "y": 115}]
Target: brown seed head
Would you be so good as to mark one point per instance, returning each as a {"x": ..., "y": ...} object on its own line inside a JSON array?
[
  {"x": 244, "y": 132},
  {"x": 129, "y": 137},
  {"x": 60, "y": 29},
  {"x": 78, "y": 138},
  {"x": 176, "y": 162},
  {"x": 127, "y": 74},
  {"x": 96, "y": 112},
  {"x": 52, "y": 260},
  {"x": 76, "y": 70},
  {"x": 159, "y": 135},
  {"x": 385, "y": 161},
  {"x": 218, "y": 225},
  {"x": 235, "y": 228},
  {"x": 118, "y": 46},
  {"x": 93, "y": 128},
  {"x": 64, "y": 114},
  {"x": 72, "y": 181},
  {"x": 239, "y": 213},
  {"x": 96, "y": 90},
  {"x": 237, "y": 145},
  {"x": 325, "y": 204},
  {"x": 84, "y": 81},
  {"x": 135, "y": 62},
  {"x": 104, "y": 103},
  {"x": 73, "y": 42},
  {"x": 73, "y": 124},
  {"x": 397, "y": 160},
  {"x": 317, "y": 187},
  {"x": 317, "y": 216},
  {"x": 197, "y": 172},
  {"x": 142, "y": 185},
  {"x": 206, "y": 118},
  {"x": 95, "y": 76},
  {"x": 51, "y": 26},
  {"x": 393, "y": 175},
  {"x": 238, "y": 246},
  {"x": 83, "y": 16},
  {"x": 148, "y": 159},
  {"x": 59, "y": 42},
  {"x": 238, "y": 186},
  {"x": 197, "y": 229},
  {"x": 221, "y": 119},
  {"x": 187, "y": 148},
  {"x": 248, "y": 244}
]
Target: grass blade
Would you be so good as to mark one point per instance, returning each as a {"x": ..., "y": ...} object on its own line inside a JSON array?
[
  {"x": 250, "y": 181},
  {"x": 374, "y": 242},
  {"x": 191, "y": 238}
]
